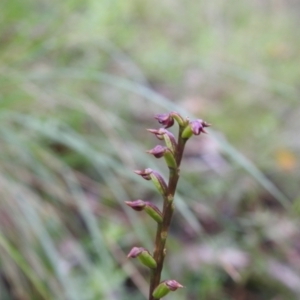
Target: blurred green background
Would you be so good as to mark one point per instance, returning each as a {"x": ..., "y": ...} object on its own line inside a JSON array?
[{"x": 79, "y": 83}]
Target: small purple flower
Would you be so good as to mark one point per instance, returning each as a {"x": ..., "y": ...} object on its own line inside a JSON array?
[
  {"x": 165, "y": 119},
  {"x": 194, "y": 127},
  {"x": 137, "y": 205},
  {"x": 144, "y": 173},
  {"x": 198, "y": 126},
  {"x": 158, "y": 151},
  {"x": 173, "y": 285},
  {"x": 135, "y": 252},
  {"x": 158, "y": 133},
  {"x": 151, "y": 209}
]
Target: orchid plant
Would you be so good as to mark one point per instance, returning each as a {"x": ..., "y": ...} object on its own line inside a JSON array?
[{"x": 172, "y": 152}]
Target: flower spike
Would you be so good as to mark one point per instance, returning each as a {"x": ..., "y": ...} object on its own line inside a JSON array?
[{"x": 172, "y": 151}]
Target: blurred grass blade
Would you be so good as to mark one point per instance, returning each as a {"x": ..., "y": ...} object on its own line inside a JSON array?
[
  {"x": 252, "y": 170},
  {"x": 47, "y": 243},
  {"x": 22, "y": 264}
]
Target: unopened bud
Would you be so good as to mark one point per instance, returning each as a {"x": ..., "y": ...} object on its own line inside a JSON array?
[
  {"x": 165, "y": 119},
  {"x": 158, "y": 151},
  {"x": 157, "y": 133},
  {"x": 148, "y": 207},
  {"x": 161, "y": 151},
  {"x": 144, "y": 173},
  {"x": 143, "y": 255},
  {"x": 137, "y": 205},
  {"x": 165, "y": 287}
]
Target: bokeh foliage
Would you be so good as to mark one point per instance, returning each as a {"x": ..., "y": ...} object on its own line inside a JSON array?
[{"x": 80, "y": 82}]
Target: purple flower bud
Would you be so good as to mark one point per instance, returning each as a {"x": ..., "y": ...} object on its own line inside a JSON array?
[
  {"x": 165, "y": 119},
  {"x": 198, "y": 126},
  {"x": 173, "y": 285},
  {"x": 137, "y": 205},
  {"x": 158, "y": 151},
  {"x": 161, "y": 151},
  {"x": 157, "y": 133},
  {"x": 148, "y": 207},
  {"x": 163, "y": 134},
  {"x": 143, "y": 255},
  {"x": 144, "y": 173},
  {"x": 135, "y": 252},
  {"x": 165, "y": 287},
  {"x": 194, "y": 127},
  {"x": 157, "y": 179}
]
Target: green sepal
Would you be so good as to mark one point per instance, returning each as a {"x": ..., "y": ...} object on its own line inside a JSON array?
[
  {"x": 146, "y": 259},
  {"x": 161, "y": 291},
  {"x": 153, "y": 212},
  {"x": 159, "y": 183},
  {"x": 187, "y": 132},
  {"x": 170, "y": 159},
  {"x": 170, "y": 140}
]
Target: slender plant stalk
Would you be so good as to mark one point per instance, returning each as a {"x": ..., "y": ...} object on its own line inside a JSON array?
[
  {"x": 168, "y": 209},
  {"x": 173, "y": 153}
]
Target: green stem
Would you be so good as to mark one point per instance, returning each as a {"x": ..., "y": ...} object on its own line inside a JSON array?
[{"x": 168, "y": 209}]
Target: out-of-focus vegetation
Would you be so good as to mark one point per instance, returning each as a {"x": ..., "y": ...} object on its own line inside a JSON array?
[{"x": 80, "y": 82}]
